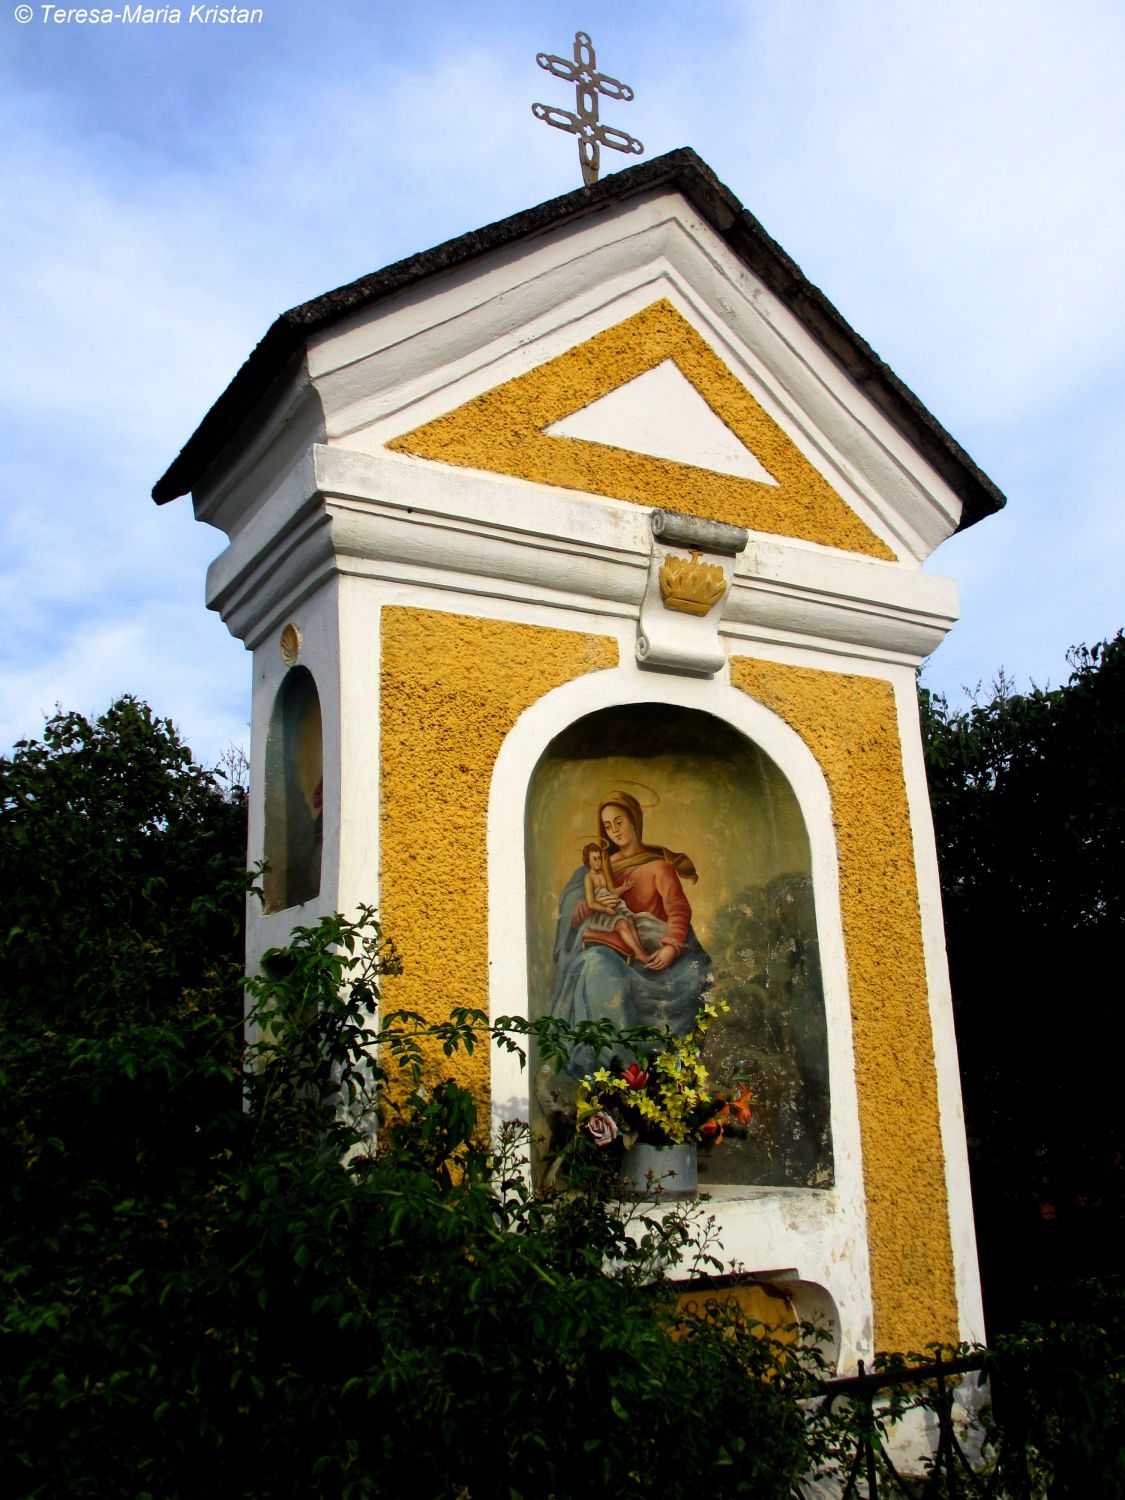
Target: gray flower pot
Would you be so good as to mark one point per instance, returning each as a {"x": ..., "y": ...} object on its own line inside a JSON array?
[{"x": 662, "y": 1171}]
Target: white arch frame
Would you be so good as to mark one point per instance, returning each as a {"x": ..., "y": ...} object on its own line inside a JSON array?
[{"x": 820, "y": 1234}]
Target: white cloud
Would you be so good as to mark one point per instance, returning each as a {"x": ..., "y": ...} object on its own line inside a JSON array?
[
  {"x": 163, "y": 654},
  {"x": 949, "y": 175}
]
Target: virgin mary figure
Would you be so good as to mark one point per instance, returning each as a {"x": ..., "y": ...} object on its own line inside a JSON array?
[{"x": 598, "y": 973}]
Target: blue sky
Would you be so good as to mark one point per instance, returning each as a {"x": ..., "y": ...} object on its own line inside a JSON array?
[{"x": 950, "y": 176}]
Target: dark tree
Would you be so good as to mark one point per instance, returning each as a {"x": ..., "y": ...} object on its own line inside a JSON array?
[
  {"x": 122, "y": 887},
  {"x": 1028, "y": 796}
]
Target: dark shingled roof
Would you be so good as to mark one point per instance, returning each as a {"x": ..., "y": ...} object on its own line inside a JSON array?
[{"x": 274, "y": 358}]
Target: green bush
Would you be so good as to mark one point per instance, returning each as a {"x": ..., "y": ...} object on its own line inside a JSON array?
[
  {"x": 215, "y": 1283},
  {"x": 310, "y": 1314},
  {"x": 217, "y": 1280},
  {"x": 1059, "y": 1408}
]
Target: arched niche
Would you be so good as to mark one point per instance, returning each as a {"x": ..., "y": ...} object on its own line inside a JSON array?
[
  {"x": 709, "y": 792},
  {"x": 294, "y": 793},
  {"x": 777, "y": 1301}
]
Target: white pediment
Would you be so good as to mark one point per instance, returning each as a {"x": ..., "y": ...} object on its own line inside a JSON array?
[{"x": 662, "y": 414}]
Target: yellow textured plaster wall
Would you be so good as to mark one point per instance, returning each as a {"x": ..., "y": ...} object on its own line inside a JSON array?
[
  {"x": 452, "y": 688},
  {"x": 502, "y": 432},
  {"x": 850, "y": 724}
]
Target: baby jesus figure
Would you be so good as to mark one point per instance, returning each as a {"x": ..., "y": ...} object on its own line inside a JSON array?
[{"x": 600, "y": 890}]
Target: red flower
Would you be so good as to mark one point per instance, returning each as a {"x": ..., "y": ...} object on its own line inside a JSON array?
[
  {"x": 740, "y": 1107},
  {"x": 634, "y": 1076}
]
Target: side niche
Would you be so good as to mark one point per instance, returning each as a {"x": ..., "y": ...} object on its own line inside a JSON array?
[
  {"x": 714, "y": 811},
  {"x": 294, "y": 793}
]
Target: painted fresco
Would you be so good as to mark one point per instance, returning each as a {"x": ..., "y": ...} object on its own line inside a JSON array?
[
  {"x": 294, "y": 832},
  {"x": 668, "y": 863}
]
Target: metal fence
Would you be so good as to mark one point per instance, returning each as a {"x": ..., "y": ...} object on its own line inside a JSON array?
[{"x": 863, "y": 1433}]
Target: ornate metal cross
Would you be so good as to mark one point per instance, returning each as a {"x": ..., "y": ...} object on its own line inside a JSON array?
[{"x": 584, "y": 122}]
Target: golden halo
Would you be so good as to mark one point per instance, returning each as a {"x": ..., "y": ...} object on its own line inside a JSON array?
[
  {"x": 582, "y": 839},
  {"x": 622, "y": 782}
]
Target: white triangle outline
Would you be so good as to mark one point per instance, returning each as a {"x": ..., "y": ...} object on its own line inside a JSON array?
[{"x": 662, "y": 415}]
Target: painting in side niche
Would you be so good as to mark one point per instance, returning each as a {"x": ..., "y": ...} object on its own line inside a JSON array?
[
  {"x": 294, "y": 832},
  {"x": 668, "y": 866}
]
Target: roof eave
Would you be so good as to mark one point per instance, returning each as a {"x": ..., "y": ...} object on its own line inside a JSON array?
[{"x": 270, "y": 362}]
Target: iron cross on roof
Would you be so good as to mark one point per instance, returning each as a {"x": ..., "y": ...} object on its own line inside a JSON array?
[{"x": 584, "y": 122}]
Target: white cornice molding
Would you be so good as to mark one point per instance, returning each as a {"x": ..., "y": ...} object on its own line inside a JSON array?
[{"x": 426, "y": 527}]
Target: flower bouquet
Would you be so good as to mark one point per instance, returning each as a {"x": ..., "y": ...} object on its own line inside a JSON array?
[{"x": 664, "y": 1100}]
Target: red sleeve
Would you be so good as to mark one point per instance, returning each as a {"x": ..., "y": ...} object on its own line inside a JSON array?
[
  {"x": 677, "y": 911},
  {"x": 581, "y": 912}
]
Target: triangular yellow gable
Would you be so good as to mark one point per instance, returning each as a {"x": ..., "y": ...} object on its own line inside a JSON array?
[{"x": 502, "y": 432}]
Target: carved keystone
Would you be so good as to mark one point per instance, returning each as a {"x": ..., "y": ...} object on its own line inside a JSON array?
[{"x": 678, "y": 628}]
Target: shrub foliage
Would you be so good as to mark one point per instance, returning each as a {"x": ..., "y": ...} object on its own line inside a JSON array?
[
  {"x": 214, "y": 1282},
  {"x": 218, "y": 1279}
]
